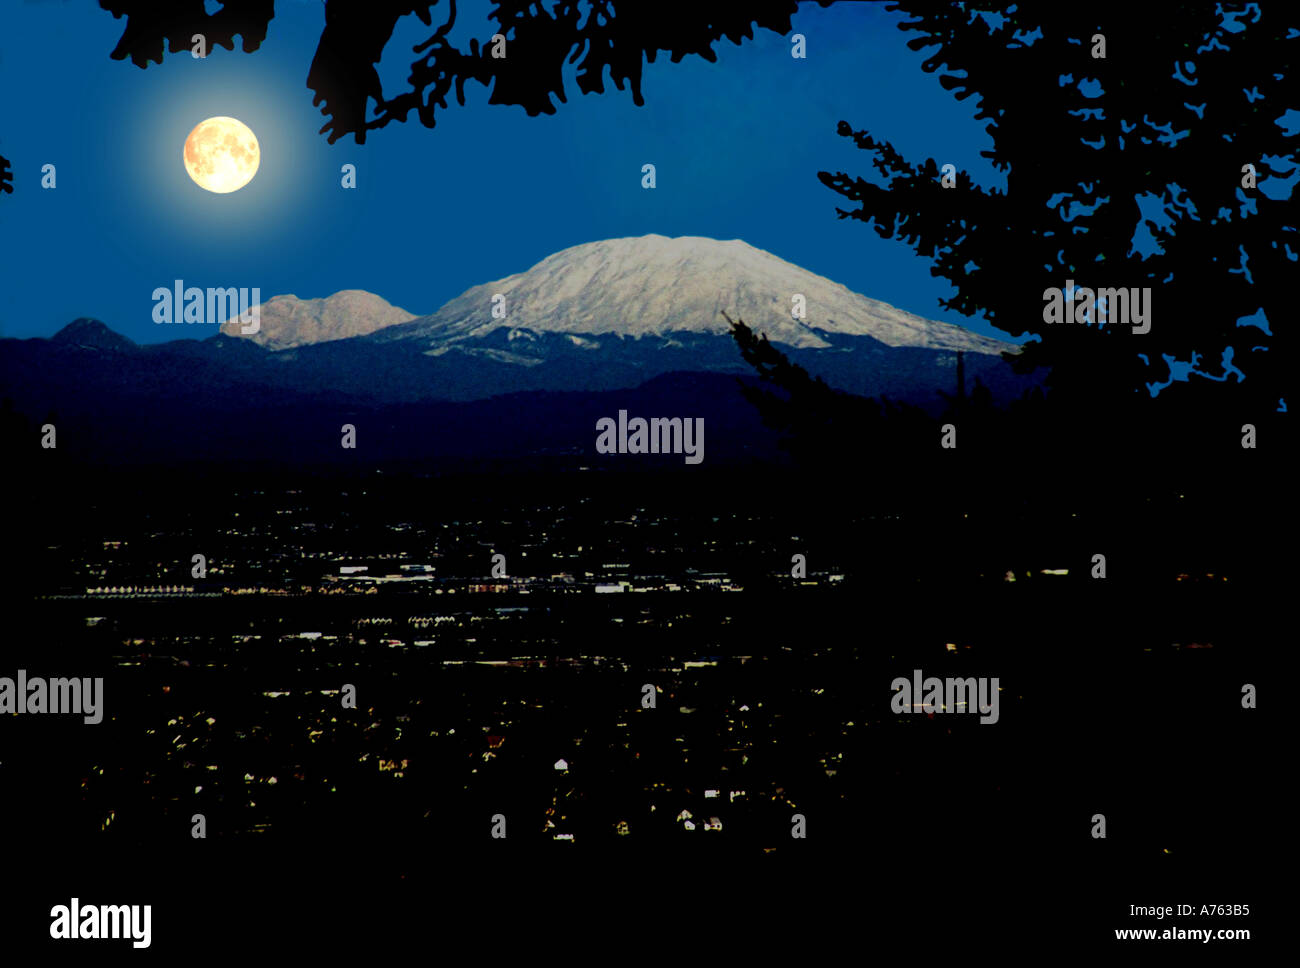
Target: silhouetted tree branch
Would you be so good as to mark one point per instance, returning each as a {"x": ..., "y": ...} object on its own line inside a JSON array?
[
  {"x": 816, "y": 420},
  {"x": 152, "y": 27},
  {"x": 540, "y": 38}
]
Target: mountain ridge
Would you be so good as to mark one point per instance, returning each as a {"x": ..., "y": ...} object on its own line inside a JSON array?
[{"x": 608, "y": 317}]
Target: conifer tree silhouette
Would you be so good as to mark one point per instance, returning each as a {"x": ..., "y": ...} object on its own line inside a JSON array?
[{"x": 1152, "y": 137}]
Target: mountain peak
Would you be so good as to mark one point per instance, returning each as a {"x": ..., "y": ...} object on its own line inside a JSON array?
[
  {"x": 653, "y": 285},
  {"x": 92, "y": 334},
  {"x": 287, "y": 321}
]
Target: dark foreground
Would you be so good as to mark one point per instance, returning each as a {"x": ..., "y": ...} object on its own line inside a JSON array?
[{"x": 632, "y": 831}]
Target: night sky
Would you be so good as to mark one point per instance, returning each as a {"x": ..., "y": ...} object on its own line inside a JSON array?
[{"x": 487, "y": 193}]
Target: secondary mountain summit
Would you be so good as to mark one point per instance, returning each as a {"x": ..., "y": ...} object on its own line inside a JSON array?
[{"x": 287, "y": 321}]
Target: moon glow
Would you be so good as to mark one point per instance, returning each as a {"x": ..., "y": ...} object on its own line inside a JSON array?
[{"x": 221, "y": 155}]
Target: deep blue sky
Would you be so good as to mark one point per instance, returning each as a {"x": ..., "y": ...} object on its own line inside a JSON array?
[{"x": 488, "y": 192}]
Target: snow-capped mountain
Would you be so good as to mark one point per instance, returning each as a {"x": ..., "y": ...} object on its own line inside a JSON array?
[
  {"x": 656, "y": 287},
  {"x": 287, "y": 321}
]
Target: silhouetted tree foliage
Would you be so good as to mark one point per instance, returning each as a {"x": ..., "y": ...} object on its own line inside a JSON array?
[
  {"x": 817, "y": 421},
  {"x": 540, "y": 38},
  {"x": 6, "y": 176},
  {"x": 1154, "y": 137},
  {"x": 152, "y": 27}
]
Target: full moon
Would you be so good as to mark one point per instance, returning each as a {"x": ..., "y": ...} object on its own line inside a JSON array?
[{"x": 221, "y": 155}]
